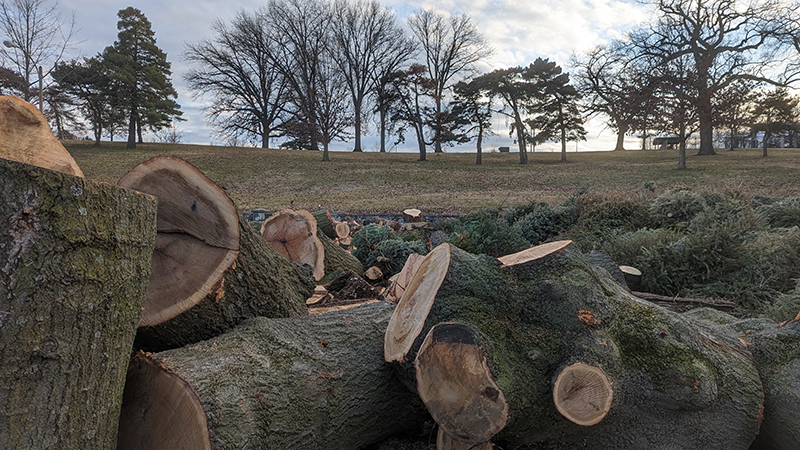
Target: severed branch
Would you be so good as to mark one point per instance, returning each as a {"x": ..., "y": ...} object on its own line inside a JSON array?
[{"x": 724, "y": 304}]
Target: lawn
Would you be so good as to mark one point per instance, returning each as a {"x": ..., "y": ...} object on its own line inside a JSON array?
[{"x": 449, "y": 182}]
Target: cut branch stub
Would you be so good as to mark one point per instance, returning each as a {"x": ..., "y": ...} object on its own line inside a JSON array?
[
  {"x": 294, "y": 235},
  {"x": 455, "y": 383},
  {"x": 198, "y": 235},
  {"x": 533, "y": 254},
  {"x": 583, "y": 394},
  {"x": 415, "y": 304}
]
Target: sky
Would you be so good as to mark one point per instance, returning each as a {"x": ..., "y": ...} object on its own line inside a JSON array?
[{"x": 519, "y": 32}]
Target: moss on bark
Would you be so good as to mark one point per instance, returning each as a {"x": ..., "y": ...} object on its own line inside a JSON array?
[{"x": 74, "y": 267}]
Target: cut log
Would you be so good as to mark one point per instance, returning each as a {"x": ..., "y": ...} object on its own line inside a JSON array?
[
  {"x": 633, "y": 277},
  {"x": 312, "y": 383},
  {"x": 412, "y": 215},
  {"x": 349, "y": 286},
  {"x": 74, "y": 267},
  {"x": 338, "y": 260},
  {"x": 583, "y": 394},
  {"x": 325, "y": 223},
  {"x": 342, "y": 230},
  {"x": 25, "y": 137},
  {"x": 403, "y": 279},
  {"x": 294, "y": 235},
  {"x": 211, "y": 270},
  {"x": 456, "y": 385},
  {"x": 373, "y": 274},
  {"x": 549, "y": 308}
]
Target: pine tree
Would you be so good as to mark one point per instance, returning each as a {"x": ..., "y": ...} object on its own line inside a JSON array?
[{"x": 140, "y": 73}]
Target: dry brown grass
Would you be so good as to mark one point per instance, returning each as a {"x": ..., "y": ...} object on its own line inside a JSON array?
[{"x": 446, "y": 183}]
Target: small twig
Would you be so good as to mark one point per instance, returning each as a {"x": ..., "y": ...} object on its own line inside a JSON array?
[{"x": 700, "y": 301}]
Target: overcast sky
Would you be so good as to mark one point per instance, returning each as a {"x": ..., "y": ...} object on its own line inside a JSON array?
[{"x": 519, "y": 31}]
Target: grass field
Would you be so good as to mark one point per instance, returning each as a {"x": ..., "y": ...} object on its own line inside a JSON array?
[{"x": 446, "y": 183}]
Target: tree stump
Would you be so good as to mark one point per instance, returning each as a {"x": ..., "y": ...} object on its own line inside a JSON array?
[
  {"x": 74, "y": 266},
  {"x": 412, "y": 215},
  {"x": 294, "y": 235},
  {"x": 211, "y": 270},
  {"x": 25, "y": 137},
  {"x": 310, "y": 382}
]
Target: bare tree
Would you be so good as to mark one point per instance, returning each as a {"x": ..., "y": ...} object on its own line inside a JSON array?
[
  {"x": 235, "y": 68},
  {"x": 333, "y": 119},
  {"x": 365, "y": 38},
  {"x": 451, "y": 46},
  {"x": 606, "y": 79},
  {"x": 35, "y": 35},
  {"x": 726, "y": 40},
  {"x": 299, "y": 35}
]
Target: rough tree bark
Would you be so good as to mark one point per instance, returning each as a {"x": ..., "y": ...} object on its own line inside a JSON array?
[
  {"x": 74, "y": 265},
  {"x": 542, "y": 313},
  {"x": 311, "y": 382},
  {"x": 211, "y": 270},
  {"x": 776, "y": 351},
  {"x": 337, "y": 260}
]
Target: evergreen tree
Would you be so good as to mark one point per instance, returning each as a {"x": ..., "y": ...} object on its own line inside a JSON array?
[
  {"x": 774, "y": 111},
  {"x": 139, "y": 73}
]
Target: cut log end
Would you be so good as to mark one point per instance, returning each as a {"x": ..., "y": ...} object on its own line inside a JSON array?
[
  {"x": 583, "y": 394},
  {"x": 456, "y": 385},
  {"x": 294, "y": 235},
  {"x": 159, "y": 410},
  {"x": 413, "y": 307},
  {"x": 198, "y": 235},
  {"x": 533, "y": 253}
]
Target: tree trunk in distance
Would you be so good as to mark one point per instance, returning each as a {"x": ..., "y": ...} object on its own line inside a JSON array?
[
  {"x": 74, "y": 267},
  {"x": 776, "y": 352},
  {"x": 211, "y": 270},
  {"x": 312, "y": 382},
  {"x": 294, "y": 235},
  {"x": 25, "y": 137},
  {"x": 621, "y": 132}
]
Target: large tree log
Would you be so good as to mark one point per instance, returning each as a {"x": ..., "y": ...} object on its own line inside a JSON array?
[
  {"x": 314, "y": 382},
  {"x": 294, "y": 235},
  {"x": 776, "y": 351},
  {"x": 546, "y": 311},
  {"x": 337, "y": 260},
  {"x": 211, "y": 270},
  {"x": 74, "y": 265},
  {"x": 25, "y": 136}
]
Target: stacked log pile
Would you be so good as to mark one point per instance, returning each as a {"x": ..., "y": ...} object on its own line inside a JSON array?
[{"x": 541, "y": 347}]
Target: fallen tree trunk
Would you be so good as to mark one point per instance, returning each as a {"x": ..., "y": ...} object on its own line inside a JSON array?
[
  {"x": 776, "y": 351},
  {"x": 338, "y": 260},
  {"x": 313, "y": 382},
  {"x": 325, "y": 223},
  {"x": 548, "y": 319},
  {"x": 74, "y": 265},
  {"x": 211, "y": 270}
]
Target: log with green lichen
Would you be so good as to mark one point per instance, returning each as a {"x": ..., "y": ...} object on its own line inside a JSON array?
[
  {"x": 74, "y": 266},
  {"x": 776, "y": 352},
  {"x": 211, "y": 270},
  {"x": 548, "y": 318},
  {"x": 337, "y": 260},
  {"x": 312, "y": 382}
]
